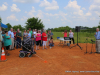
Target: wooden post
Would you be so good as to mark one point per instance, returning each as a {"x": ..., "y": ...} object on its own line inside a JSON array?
[{"x": 0, "y": 39}]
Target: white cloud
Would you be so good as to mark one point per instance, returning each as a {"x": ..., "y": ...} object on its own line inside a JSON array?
[
  {"x": 14, "y": 8},
  {"x": 96, "y": 2},
  {"x": 25, "y": 11},
  {"x": 27, "y": 1},
  {"x": 40, "y": 14},
  {"x": 93, "y": 18},
  {"x": 73, "y": 4},
  {"x": 83, "y": 9},
  {"x": 95, "y": 7},
  {"x": 49, "y": 6},
  {"x": 24, "y": 18},
  {"x": 3, "y": 7},
  {"x": 88, "y": 14},
  {"x": 5, "y": 3},
  {"x": 57, "y": 15},
  {"x": 30, "y": 13},
  {"x": 98, "y": 13},
  {"x": 12, "y": 17},
  {"x": 74, "y": 7}
]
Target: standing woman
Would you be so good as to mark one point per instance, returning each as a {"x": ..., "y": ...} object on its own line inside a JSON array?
[
  {"x": 38, "y": 39},
  {"x": 71, "y": 36},
  {"x": 48, "y": 37},
  {"x": 44, "y": 38},
  {"x": 65, "y": 34},
  {"x": 25, "y": 35},
  {"x": 7, "y": 42}
]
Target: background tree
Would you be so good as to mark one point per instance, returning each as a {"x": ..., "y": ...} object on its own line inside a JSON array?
[
  {"x": 99, "y": 25},
  {"x": 34, "y": 23},
  {"x": 0, "y": 20},
  {"x": 9, "y": 26},
  {"x": 18, "y": 26}
]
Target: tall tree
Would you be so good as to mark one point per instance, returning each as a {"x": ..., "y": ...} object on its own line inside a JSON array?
[{"x": 34, "y": 23}]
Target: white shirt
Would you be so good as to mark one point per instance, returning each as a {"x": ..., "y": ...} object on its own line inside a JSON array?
[
  {"x": 34, "y": 34},
  {"x": 71, "y": 34}
]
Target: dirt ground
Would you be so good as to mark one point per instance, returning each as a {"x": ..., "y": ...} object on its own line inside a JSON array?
[{"x": 60, "y": 60}]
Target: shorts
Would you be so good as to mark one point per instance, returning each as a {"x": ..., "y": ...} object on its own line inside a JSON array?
[
  {"x": 51, "y": 37},
  {"x": 37, "y": 42},
  {"x": 7, "y": 47}
]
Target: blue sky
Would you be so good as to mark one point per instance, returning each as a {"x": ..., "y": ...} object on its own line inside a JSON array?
[{"x": 53, "y": 13}]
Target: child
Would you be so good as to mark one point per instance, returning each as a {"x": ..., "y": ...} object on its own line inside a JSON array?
[{"x": 51, "y": 44}]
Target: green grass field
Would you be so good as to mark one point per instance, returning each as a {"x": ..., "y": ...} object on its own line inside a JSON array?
[{"x": 81, "y": 36}]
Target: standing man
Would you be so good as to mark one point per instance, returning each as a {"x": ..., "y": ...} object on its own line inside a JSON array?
[
  {"x": 51, "y": 36},
  {"x": 11, "y": 34},
  {"x": 30, "y": 31},
  {"x": 18, "y": 39},
  {"x": 71, "y": 36},
  {"x": 97, "y": 36},
  {"x": 14, "y": 37},
  {"x": 35, "y": 36}
]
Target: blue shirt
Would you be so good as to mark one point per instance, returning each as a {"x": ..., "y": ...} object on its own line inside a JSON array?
[
  {"x": 29, "y": 35},
  {"x": 51, "y": 33},
  {"x": 11, "y": 33},
  {"x": 97, "y": 36}
]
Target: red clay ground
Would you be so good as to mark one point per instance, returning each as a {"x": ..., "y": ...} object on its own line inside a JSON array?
[{"x": 58, "y": 60}]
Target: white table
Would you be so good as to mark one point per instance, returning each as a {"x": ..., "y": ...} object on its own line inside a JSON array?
[{"x": 61, "y": 41}]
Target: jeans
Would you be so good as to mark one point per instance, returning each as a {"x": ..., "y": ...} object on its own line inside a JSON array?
[
  {"x": 34, "y": 41},
  {"x": 51, "y": 44},
  {"x": 72, "y": 40},
  {"x": 40, "y": 43},
  {"x": 18, "y": 43}
]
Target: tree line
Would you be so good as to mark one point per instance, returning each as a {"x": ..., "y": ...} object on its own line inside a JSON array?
[{"x": 82, "y": 29}]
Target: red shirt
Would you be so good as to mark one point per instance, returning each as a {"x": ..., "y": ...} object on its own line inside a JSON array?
[
  {"x": 44, "y": 38},
  {"x": 14, "y": 35},
  {"x": 65, "y": 34}
]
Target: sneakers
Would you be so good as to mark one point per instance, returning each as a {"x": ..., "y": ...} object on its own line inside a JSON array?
[{"x": 50, "y": 47}]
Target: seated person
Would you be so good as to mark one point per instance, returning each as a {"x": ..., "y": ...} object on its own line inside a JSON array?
[{"x": 51, "y": 44}]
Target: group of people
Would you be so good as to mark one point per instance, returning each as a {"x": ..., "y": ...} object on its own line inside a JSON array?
[
  {"x": 71, "y": 36},
  {"x": 12, "y": 39}
]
